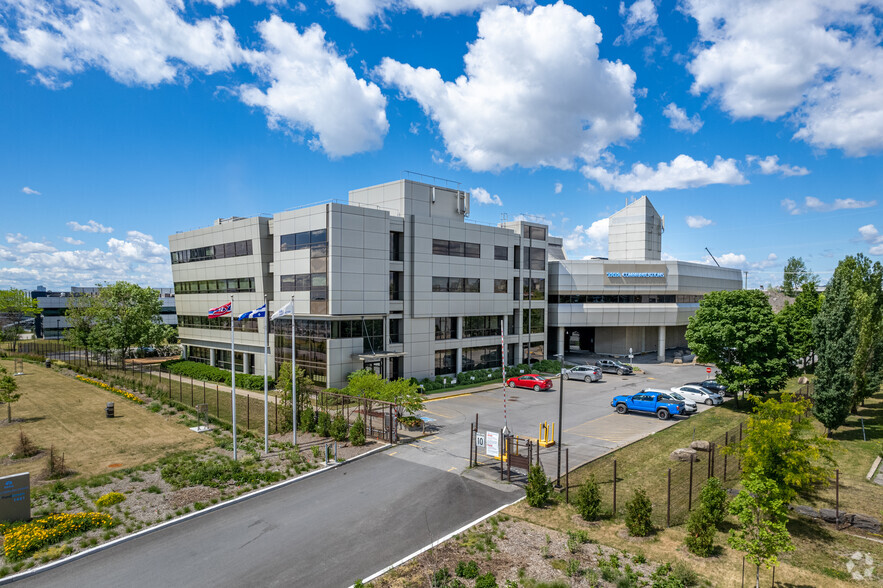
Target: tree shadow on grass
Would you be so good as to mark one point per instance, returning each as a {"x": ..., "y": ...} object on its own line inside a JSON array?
[
  {"x": 802, "y": 528},
  {"x": 873, "y": 424}
]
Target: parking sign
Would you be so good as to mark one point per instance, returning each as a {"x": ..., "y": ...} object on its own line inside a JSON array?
[{"x": 493, "y": 444}]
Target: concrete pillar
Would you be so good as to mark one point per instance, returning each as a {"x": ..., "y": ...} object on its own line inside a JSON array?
[
  {"x": 660, "y": 349},
  {"x": 561, "y": 340},
  {"x": 246, "y": 363},
  {"x": 459, "y": 359},
  {"x": 212, "y": 357}
]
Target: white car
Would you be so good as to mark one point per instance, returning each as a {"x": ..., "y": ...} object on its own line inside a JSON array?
[
  {"x": 699, "y": 394},
  {"x": 689, "y": 405},
  {"x": 586, "y": 373}
]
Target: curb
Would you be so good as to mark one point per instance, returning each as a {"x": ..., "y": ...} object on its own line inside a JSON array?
[
  {"x": 874, "y": 468},
  {"x": 437, "y": 542},
  {"x": 191, "y": 515}
]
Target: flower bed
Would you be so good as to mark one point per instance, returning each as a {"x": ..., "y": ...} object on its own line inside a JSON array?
[
  {"x": 110, "y": 388},
  {"x": 23, "y": 540}
]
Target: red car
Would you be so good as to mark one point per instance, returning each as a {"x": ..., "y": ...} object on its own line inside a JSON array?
[{"x": 530, "y": 381}]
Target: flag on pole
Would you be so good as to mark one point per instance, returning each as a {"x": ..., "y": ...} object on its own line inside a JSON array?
[
  {"x": 259, "y": 312},
  {"x": 286, "y": 310},
  {"x": 221, "y": 310}
]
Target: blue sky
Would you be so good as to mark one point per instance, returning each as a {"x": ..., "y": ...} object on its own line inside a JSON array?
[{"x": 755, "y": 127}]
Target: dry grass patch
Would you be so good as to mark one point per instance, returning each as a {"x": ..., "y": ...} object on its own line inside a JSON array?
[{"x": 56, "y": 410}]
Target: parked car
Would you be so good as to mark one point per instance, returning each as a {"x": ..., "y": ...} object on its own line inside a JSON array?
[
  {"x": 586, "y": 373},
  {"x": 699, "y": 394},
  {"x": 653, "y": 401},
  {"x": 689, "y": 405},
  {"x": 530, "y": 381},
  {"x": 712, "y": 385},
  {"x": 613, "y": 367}
]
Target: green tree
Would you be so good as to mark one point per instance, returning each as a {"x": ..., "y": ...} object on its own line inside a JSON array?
[
  {"x": 701, "y": 531},
  {"x": 15, "y": 307},
  {"x": 737, "y": 331},
  {"x": 588, "y": 500},
  {"x": 638, "y": 514},
  {"x": 538, "y": 488},
  {"x": 762, "y": 511},
  {"x": 304, "y": 385},
  {"x": 713, "y": 499},
  {"x": 8, "y": 391},
  {"x": 796, "y": 275},
  {"x": 782, "y": 446},
  {"x": 367, "y": 384},
  {"x": 796, "y": 321},
  {"x": 837, "y": 336}
]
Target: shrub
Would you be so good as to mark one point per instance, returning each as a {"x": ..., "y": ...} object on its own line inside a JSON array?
[
  {"x": 323, "y": 424},
  {"x": 154, "y": 406},
  {"x": 588, "y": 500},
  {"x": 357, "y": 432},
  {"x": 700, "y": 532},
  {"x": 25, "y": 447},
  {"x": 713, "y": 499},
  {"x": 539, "y": 487},
  {"x": 110, "y": 499},
  {"x": 638, "y": 512},
  {"x": 339, "y": 428},
  {"x": 488, "y": 580},
  {"x": 55, "y": 467},
  {"x": 207, "y": 373},
  {"x": 467, "y": 569},
  {"x": 440, "y": 578},
  {"x": 307, "y": 418}
]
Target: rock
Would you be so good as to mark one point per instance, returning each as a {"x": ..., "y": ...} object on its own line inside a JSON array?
[
  {"x": 683, "y": 454},
  {"x": 806, "y": 511},
  {"x": 700, "y": 445},
  {"x": 677, "y": 361},
  {"x": 689, "y": 357},
  {"x": 866, "y": 523},
  {"x": 829, "y": 515},
  {"x": 802, "y": 380},
  {"x": 732, "y": 492},
  {"x": 694, "y": 360}
]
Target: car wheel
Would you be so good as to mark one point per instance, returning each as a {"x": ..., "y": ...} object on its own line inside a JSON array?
[
  {"x": 536, "y": 387},
  {"x": 621, "y": 408},
  {"x": 618, "y": 372},
  {"x": 588, "y": 379},
  {"x": 709, "y": 401},
  {"x": 662, "y": 414},
  {"x": 511, "y": 384}
]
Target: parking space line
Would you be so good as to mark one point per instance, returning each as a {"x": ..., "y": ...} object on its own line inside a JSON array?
[
  {"x": 438, "y": 414},
  {"x": 431, "y": 440}
]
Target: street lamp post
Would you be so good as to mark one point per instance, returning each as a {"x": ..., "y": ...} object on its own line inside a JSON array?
[{"x": 560, "y": 416}]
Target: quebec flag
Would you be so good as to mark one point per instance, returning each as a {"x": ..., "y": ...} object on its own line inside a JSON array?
[{"x": 259, "y": 312}]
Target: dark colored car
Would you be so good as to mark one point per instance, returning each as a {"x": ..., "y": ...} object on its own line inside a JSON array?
[
  {"x": 612, "y": 366},
  {"x": 657, "y": 402},
  {"x": 712, "y": 385},
  {"x": 530, "y": 381}
]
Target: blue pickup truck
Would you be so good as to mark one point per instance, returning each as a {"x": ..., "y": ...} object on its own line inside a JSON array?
[{"x": 654, "y": 401}]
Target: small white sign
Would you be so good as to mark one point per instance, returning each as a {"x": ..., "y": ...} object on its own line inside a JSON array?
[
  {"x": 479, "y": 440},
  {"x": 493, "y": 444}
]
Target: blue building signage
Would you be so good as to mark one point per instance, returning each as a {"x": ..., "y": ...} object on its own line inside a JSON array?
[{"x": 635, "y": 274}]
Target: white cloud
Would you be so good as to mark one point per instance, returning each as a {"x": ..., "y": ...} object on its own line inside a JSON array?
[
  {"x": 312, "y": 89},
  {"x": 15, "y": 238},
  {"x": 30, "y": 191},
  {"x": 482, "y": 196},
  {"x": 534, "y": 92},
  {"x": 679, "y": 121},
  {"x": 872, "y": 237},
  {"x": 640, "y": 20},
  {"x": 697, "y": 222},
  {"x": 360, "y": 13},
  {"x": 146, "y": 42},
  {"x": 90, "y": 227},
  {"x": 682, "y": 172},
  {"x": 770, "y": 165},
  {"x": 72, "y": 241},
  {"x": 740, "y": 261},
  {"x": 811, "y": 203},
  {"x": 593, "y": 237},
  {"x": 558, "y": 187},
  {"x": 820, "y": 63},
  {"x": 34, "y": 247}
]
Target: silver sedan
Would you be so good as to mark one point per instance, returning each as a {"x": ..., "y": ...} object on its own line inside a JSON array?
[{"x": 586, "y": 373}]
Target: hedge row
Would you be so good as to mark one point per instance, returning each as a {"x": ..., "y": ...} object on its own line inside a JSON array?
[
  {"x": 207, "y": 373},
  {"x": 490, "y": 375}
]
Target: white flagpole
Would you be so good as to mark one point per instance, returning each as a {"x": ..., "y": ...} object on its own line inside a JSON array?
[
  {"x": 233, "y": 374},
  {"x": 266, "y": 393},
  {"x": 293, "y": 380}
]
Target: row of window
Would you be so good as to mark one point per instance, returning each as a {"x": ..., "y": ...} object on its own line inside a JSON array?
[
  {"x": 456, "y": 248},
  {"x": 440, "y": 284},
  {"x": 249, "y": 325},
  {"x": 472, "y": 358},
  {"x": 330, "y": 329},
  {"x": 228, "y": 286},
  {"x": 317, "y": 239},
  {"x": 532, "y": 289},
  {"x": 624, "y": 298},
  {"x": 222, "y": 251},
  {"x": 529, "y": 232},
  {"x": 534, "y": 258},
  {"x": 473, "y": 326},
  {"x": 304, "y": 282},
  {"x": 222, "y": 357}
]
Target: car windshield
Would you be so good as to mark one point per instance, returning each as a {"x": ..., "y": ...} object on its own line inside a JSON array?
[{"x": 676, "y": 395}]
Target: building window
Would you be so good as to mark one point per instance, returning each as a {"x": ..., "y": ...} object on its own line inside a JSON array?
[
  {"x": 501, "y": 253},
  {"x": 501, "y": 286},
  {"x": 235, "y": 249},
  {"x": 482, "y": 358},
  {"x": 529, "y": 232},
  {"x": 222, "y": 359},
  {"x": 625, "y": 298},
  {"x": 537, "y": 352},
  {"x": 395, "y": 330},
  {"x": 445, "y": 328},
  {"x": 534, "y": 258},
  {"x": 481, "y": 326},
  {"x": 228, "y": 286},
  {"x": 533, "y": 320},
  {"x": 396, "y": 246},
  {"x": 455, "y": 248},
  {"x": 516, "y": 257},
  {"x": 396, "y": 280},
  {"x": 200, "y": 354},
  {"x": 537, "y": 289},
  {"x": 317, "y": 239},
  {"x": 445, "y": 362},
  {"x": 441, "y": 284},
  {"x": 513, "y": 324},
  {"x": 249, "y": 325}
]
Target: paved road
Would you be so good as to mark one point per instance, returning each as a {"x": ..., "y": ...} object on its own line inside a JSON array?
[{"x": 327, "y": 530}]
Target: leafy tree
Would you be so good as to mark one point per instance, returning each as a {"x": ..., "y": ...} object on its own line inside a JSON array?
[
  {"x": 737, "y": 331},
  {"x": 8, "y": 391},
  {"x": 339, "y": 428},
  {"x": 588, "y": 500},
  {"x": 638, "y": 513},
  {"x": 701, "y": 531},
  {"x": 713, "y": 499},
  {"x": 783, "y": 447},
  {"x": 796, "y": 321},
  {"x": 367, "y": 384},
  {"x": 357, "y": 432},
  {"x": 796, "y": 275},
  {"x": 304, "y": 385},
  {"x": 762, "y": 512},
  {"x": 538, "y": 488},
  {"x": 15, "y": 307},
  {"x": 836, "y": 333}
]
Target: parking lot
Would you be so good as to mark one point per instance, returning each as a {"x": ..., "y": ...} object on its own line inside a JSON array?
[{"x": 591, "y": 427}]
